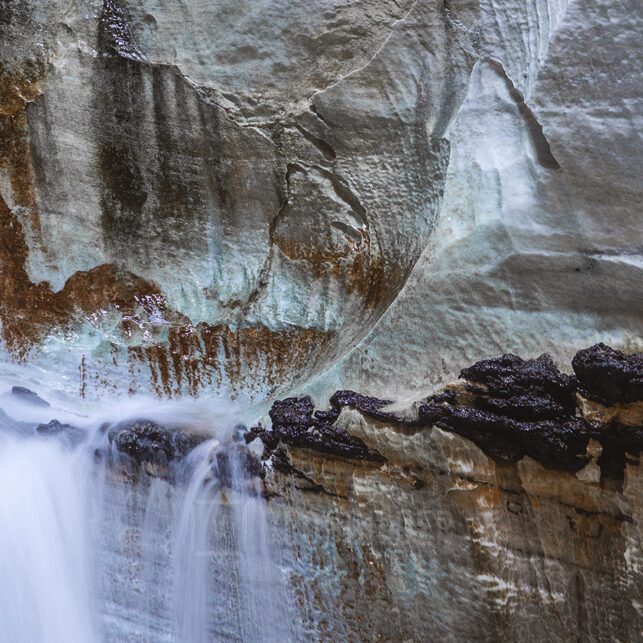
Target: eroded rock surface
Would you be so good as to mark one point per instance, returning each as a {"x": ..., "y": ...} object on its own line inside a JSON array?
[
  {"x": 199, "y": 197},
  {"x": 148, "y": 442},
  {"x": 508, "y": 406},
  {"x": 513, "y": 520},
  {"x": 608, "y": 376}
]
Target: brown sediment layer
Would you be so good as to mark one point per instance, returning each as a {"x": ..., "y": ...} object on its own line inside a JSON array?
[
  {"x": 29, "y": 311},
  {"x": 355, "y": 267},
  {"x": 191, "y": 357}
]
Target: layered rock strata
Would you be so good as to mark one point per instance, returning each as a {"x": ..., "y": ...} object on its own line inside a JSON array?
[{"x": 494, "y": 510}]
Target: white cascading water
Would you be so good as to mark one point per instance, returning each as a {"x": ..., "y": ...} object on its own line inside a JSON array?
[
  {"x": 45, "y": 582},
  {"x": 88, "y": 553}
]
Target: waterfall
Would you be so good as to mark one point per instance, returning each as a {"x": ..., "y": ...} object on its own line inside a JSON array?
[
  {"x": 222, "y": 534},
  {"x": 45, "y": 578},
  {"x": 94, "y": 548}
]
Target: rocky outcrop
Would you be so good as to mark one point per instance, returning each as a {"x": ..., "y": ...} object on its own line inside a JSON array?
[
  {"x": 69, "y": 434},
  {"x": 197, "y": 198},
  {"x": 492, "y": 510},
  {"x": 147, "y": 442},
  {"x": 293, "y": 423},
  {"x": 264, "y": 198},
  {"x": 509, "y": 407},
  {"x": 608, "y": 376},
  {"x": 495, "y": 512}
]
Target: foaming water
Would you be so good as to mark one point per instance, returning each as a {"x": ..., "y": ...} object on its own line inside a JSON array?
[{"x": 93, "y": 548}]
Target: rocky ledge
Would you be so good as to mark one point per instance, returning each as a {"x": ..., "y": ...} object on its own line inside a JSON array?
[
  {"x": 509, "y": 407},
  {"x": 152, "y": 447},
  {"x": 501, "y": 508}
]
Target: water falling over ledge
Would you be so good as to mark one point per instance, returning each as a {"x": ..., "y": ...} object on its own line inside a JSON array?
[{"x": 98, "y": 546}]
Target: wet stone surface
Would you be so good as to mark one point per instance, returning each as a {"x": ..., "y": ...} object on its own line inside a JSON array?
[
  {"x": 236, "y": 463},
  {"x": 28, "y": 396},
  {"x": 295, "y": 423},
  {"x": 531, "y": 389},
  {"x": 559, "y": 444},
  {"x": 71, "y": 435},
  {"x": 147, "y": 441}
]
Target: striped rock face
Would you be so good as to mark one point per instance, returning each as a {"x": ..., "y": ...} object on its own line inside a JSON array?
[
  {"x": 212, "y": 196},
  {"x": 161, "y": 231}
]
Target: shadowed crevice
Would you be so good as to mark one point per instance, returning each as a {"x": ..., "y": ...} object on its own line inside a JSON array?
[{"x": 541, "y": 145}]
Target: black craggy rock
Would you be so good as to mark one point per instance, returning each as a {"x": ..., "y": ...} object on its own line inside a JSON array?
[
  {"x": 72, "y": 435},
  {"x": 511, "y": 376},
  {"x": 527, "y": 407},
  {"x": 512, "y": 408},
  {"x": 294, "y": 423},
  {"x": 269, "y": 439},
  {"x": 369, "y": 406},
  {"x": 559, "y": 444},
  {"x": 608, "y": 376},
  {"x": 147, "y": 441}
]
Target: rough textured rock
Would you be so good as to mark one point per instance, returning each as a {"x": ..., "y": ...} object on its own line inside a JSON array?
[
  {"x": 270, "y": 198},
  {"x": 442, "y": 542},
  {"x": 293, "y": 423},
  {"x": 148, "y": 442},
  {"x": 442, "y": 539},
  {"x": 211, "y": 196},
  {"x": 608, "y": 376},
  {"x": 507, "y": 406}
]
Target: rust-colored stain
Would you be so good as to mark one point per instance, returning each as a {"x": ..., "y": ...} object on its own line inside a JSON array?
[
  {"x": 29, "y": 311},
  {"x": 192, "y": 356},
  {"x": 201, "y": 356},
  {"x": 180, "y": 356},
  {"x": 356, "y": 268}
]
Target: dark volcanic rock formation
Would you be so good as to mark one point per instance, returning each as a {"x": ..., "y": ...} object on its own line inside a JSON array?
[
  {"x": 508, "y": 406},
  {"x": 294, "y": 423},
  {"x": 558, "y": 443},
  {"x": 549, "y": 539},
  {"x": 525, "y": 384},
  {"x": 608, "y": 376},
  {"x": 147, "y": 441}
]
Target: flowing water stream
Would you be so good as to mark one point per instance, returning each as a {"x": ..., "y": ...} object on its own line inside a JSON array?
[{"x": 93, "y": 548}]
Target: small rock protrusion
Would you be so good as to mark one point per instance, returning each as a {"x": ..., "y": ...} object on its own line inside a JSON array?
[
  {"x": 608, "y": 376},
  {"x": 70, "y": 434},
  {"x": 29, "y": 397},
  {"x": 147, "y": 441}
]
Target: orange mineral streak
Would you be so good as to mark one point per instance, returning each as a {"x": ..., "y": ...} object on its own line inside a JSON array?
[
  {"x": 356, "y": 268},
  {"x": 16, "y": 90},
  {"x": 250, "y": 357},
  {"x": 30, "y": 311},
  {"x": 188, "y": 359}
]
